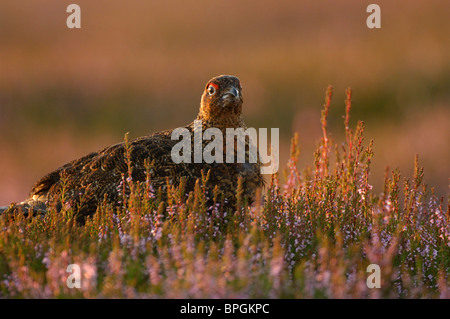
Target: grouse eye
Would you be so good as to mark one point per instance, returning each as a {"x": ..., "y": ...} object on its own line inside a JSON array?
[{"x": 212, "y": 88}]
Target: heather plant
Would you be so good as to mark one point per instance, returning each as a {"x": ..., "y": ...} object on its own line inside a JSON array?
[{"x": 311, "y": 234}]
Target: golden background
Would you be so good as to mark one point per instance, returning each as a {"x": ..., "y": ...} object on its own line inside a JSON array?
[{"x": 141, "y": 66}]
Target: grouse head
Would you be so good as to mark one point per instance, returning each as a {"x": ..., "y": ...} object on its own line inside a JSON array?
[{"x": 221, "y": 103}]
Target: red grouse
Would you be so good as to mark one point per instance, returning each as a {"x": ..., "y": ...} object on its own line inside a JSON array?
[{"x": 86, "y": 182}]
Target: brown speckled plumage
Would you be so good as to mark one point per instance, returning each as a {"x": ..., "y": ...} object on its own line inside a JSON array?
[{"x": 89, "y": 180}]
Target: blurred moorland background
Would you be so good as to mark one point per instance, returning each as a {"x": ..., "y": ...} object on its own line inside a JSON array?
[{"x": 140, "y": 66}]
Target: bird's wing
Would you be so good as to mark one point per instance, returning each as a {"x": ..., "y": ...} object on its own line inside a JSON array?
[{"x": 99, "y": 173}]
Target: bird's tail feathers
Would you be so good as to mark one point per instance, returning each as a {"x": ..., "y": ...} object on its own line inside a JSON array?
[{"x": 26, "y": 207}]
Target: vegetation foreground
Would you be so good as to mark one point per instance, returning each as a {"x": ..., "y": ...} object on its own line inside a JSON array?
[{"x": 313, "y": 236}]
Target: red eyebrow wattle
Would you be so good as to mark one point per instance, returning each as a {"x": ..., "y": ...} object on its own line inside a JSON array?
[{"x": 213, "y": 85}]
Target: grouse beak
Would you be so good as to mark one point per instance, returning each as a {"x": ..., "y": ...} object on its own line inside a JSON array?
[{"x": 232, "y": 93}]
